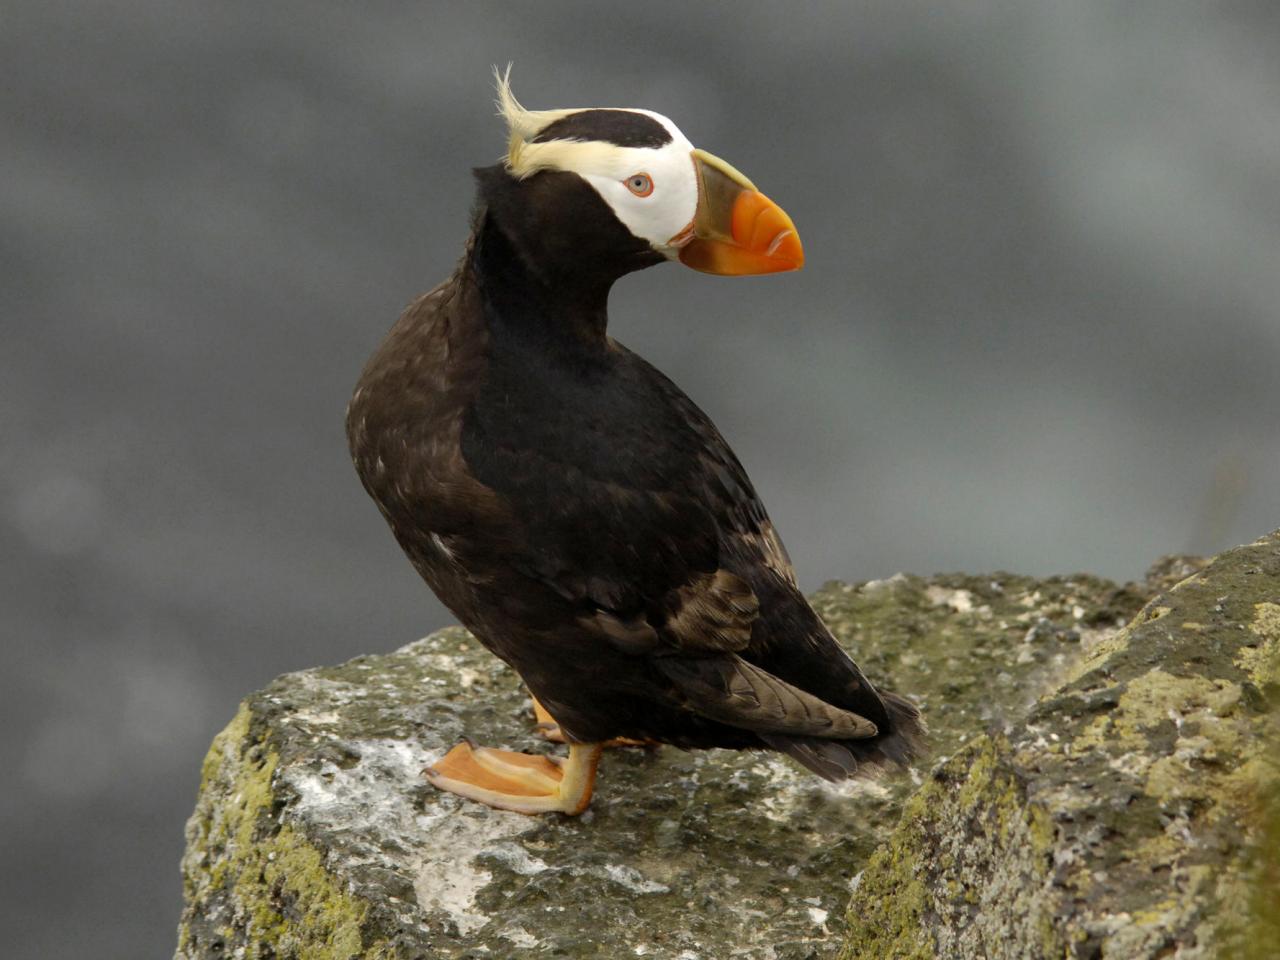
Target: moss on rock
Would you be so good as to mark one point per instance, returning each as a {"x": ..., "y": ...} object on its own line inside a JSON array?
[
  {"x": 255, "y": 887},
  {"x": 1128, "y": 817},
  {"x": 1054, "y": 824}
]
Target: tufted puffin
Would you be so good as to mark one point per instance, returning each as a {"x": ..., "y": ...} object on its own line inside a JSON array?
[{"x": 573, "y": 508}]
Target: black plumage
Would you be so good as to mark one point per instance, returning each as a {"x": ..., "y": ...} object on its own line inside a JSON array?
[{"x": 580, "y": 514}]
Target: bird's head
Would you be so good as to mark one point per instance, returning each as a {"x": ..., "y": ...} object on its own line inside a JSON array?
[{"x": 583, "y": 173}]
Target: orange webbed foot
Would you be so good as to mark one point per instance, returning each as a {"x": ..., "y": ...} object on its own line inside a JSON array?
[{"x": 523, "y": 782}]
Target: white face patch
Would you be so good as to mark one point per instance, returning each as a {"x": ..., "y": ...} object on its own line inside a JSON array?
[
  {"x": 671, "y": 204},
  {"x": 659, "y": 214}
]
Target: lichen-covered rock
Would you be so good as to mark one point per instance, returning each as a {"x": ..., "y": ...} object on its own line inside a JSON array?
[
  {"x": 314, "y": 835},
  {"x": 1133, "y": 812}
]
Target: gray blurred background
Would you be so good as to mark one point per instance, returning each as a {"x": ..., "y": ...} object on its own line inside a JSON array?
[{"x": 1038, "y": 331}]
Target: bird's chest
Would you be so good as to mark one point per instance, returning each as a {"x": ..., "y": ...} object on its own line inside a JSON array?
[{"x": 565, "y": 423}]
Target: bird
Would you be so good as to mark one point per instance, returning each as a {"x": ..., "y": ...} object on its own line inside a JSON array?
[{"x": 577, "y": 512}]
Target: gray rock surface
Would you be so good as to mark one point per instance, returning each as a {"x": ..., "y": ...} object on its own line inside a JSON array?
[
  {"x": 315, "y": 836},
  {"x": 1133, "y": 812}
]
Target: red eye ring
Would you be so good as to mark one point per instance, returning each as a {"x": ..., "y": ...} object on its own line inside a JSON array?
[{"x": 641, "y": 184}]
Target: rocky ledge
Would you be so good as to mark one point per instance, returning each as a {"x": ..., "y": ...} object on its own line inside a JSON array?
[{"x": 1103, "y": 784}]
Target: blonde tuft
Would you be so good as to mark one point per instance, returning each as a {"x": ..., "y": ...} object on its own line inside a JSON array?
[{"x": 525, "y": 158}]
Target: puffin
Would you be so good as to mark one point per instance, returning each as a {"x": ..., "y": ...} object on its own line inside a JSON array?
[{"x": 572, "y": 507}]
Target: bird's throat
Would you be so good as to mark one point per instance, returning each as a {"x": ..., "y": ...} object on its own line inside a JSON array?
[
  {"x": 547, "y": 251},
  {"x": 547, "y": 304}
]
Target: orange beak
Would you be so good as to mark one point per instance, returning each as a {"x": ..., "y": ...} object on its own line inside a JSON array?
[{"x": 737, "y": 230}]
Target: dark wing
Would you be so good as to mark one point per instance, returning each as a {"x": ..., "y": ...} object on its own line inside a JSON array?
[
  {"x": 631, "y": 502},
  {"x": 635, "y": 510}
]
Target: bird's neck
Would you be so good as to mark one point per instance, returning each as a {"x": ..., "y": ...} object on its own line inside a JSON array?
[{"x": 530, "y": 297}]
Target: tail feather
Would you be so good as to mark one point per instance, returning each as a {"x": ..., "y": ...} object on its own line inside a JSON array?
[
  {"x": 906, "y": 740},
  {"x": 833, "y": 742},
  {"x": 829, "y": 759},
  {"x": 740, "y": 694},
  {"x": 837, "y": 760}
]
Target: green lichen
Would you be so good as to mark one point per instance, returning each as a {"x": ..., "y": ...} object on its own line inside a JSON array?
[
  {"x": 1261, "y": 931},
  {"x": 1256, "y": 937},
  {"x": 1136, "y": 802},
  {"x": 265, "y": 889},
  {"x": 1262, "y": 662},
  {"x": 892, "y": 927},
  {"x": 982, "y": 891}
]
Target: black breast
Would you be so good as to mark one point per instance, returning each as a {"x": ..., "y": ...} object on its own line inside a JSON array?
[
  {"x": 608, "y": 415},
  {"x": 598, "y": 458}
]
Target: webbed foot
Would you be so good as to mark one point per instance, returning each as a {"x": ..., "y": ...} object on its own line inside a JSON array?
[{"x": 522, "y": 782}]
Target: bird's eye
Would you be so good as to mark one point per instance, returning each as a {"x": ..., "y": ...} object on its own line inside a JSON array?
[{"x": 641, "y": 184}]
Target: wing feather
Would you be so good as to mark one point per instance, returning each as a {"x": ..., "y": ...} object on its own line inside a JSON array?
[{"x": 731, "y": 690}]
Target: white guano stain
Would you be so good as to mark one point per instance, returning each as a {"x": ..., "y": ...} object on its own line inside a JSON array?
[
  {"x": 960, "y": 601},
  {"x": 378, "y": 824},
  {"x": 632, "y": 880}
]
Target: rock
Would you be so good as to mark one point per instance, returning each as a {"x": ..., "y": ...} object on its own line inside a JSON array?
[
  {"x": 315, "y": 836},
  {"x": 1132, "y": 812},
  {"x": 313, "y": 825}
]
